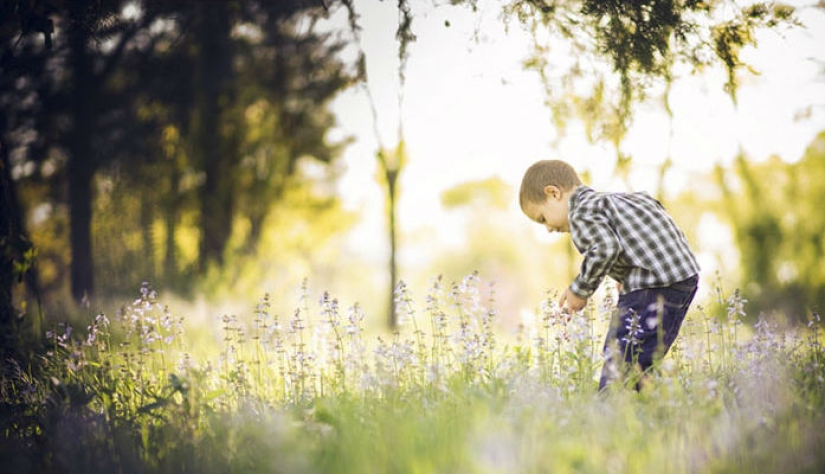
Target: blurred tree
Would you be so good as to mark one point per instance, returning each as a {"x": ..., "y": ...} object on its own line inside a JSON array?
[
  {"x": 289, "y": 75},
  {"x": 774, "y": 210},
  {"x": 14, "y": 256},
  {"x": 213, "y": 93},
  {"x": 259, "y": 96},
  {"x": 390, "y": 162},
  {"x": 56, "y": 129},
  {"x": 89, "y": 69},
  {"x": 144, "y": 110},
  {"x": 18, "y": 20},
  {"x": 251, "y": 131}
]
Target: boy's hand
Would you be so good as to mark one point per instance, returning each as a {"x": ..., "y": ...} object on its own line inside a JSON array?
[{"x": 573, "y": 302}]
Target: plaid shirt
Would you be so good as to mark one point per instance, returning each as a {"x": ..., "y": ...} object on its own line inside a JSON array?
[{"x": 628, "y": 237}]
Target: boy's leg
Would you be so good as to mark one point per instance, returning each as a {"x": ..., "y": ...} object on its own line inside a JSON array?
[
  {"x": 616, "y": 342},
  {"x": 645, "y": 325}
]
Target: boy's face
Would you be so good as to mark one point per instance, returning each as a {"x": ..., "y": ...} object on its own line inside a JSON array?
[{"x": 552, "y": 212}]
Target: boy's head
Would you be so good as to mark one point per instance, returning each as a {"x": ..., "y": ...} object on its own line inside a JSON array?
[{"x": 545, "y": 189}]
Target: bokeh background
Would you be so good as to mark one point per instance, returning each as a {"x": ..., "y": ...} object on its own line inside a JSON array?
[{"x": 221, "y": 151}]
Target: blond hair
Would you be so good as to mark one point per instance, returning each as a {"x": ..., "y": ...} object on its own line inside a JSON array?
[{"x": 546, "y": 173}]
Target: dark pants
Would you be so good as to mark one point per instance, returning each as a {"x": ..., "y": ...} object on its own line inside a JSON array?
[{"x": 644, "y": 326}]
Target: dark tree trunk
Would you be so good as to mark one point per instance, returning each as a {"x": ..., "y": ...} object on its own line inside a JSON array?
[
  {"x": 80, "y": 212},
  {"x": 212, "y": 79},
  {"x": 80, "y": 161},
  {"x": 257, "y": 214},
  {"x": 8, "y": 238},
  {"x": 256, "y": 228}
]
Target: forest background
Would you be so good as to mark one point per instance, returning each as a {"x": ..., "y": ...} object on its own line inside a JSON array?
[{"x": 223, "y": 150}]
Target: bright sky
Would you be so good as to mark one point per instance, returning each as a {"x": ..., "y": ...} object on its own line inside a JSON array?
[{"x": 470, "y": 112}]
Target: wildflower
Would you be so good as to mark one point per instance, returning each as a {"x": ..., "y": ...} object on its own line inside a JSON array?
[
  {"x": 469, "y": 284},
  {"x": 329, "y": 309},
  {"x": 404, "y": 303},
  {"x": 634, "y": 328},
  {"x": 813, "y": 321},
  {"x": 367, "y": 381},
  {"x": 62, "y": 340},
  {"x": 736, "y": 307},
  {"x": 355, "y": 318},
  {"x": 296, "y": 324}
]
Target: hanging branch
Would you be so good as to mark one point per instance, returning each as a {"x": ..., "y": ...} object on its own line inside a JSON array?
[
  {"x": 404, "y": 36},
  {"x": 361, "y": 75}
]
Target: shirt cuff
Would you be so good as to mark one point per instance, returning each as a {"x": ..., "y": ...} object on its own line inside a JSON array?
[{"x": 582, "y": 289}]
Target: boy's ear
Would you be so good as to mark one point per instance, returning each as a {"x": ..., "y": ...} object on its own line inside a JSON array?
[{"x": 553, "y": 192}]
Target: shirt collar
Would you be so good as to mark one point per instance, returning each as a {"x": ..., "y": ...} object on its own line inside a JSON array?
[{"x": 577, "y": 196}]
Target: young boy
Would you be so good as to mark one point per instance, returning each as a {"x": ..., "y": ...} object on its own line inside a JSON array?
[{"x": 628, "y": 237}]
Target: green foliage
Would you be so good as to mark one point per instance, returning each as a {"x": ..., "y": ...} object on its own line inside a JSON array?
[
  {"x": 448, "y": 392},
  {"x": 773, "y": 209},
  {"x": 490, "y": 193},
  {"x": 731, "y": 36}
]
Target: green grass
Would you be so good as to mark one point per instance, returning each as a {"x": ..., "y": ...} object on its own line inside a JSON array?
[{"x": 450, "y": 392}]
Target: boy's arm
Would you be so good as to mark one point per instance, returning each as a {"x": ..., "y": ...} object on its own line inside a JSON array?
[{"x": 599, "y": 246}]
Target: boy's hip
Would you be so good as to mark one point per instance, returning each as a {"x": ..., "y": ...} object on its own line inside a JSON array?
[
  {"x": 688, "y": 284},
  {"x": 634, "y": 283},
  {"x": 676, "y": 295}
]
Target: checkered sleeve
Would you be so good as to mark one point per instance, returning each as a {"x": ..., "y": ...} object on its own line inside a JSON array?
[{"x": 598, "y": 244}]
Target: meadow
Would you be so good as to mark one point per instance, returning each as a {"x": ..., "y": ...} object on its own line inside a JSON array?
[{"x": 316, "y": 391}]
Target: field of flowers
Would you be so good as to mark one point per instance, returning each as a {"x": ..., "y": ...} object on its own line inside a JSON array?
[{"x": 450, "y": 392}]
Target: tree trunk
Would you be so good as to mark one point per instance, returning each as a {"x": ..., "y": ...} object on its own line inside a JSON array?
[
  {"x": 170, "y": 266},
  {"x": 392, "y": 176},
  {"x": 147, "y": 234},
  {"x": 80, "y": 161},
  {"x": 256, "y": 228},
  {"x": 80, "y": 227},
  {"x": 8, "y": 237},
  {"x": 212, "y": 79}
]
